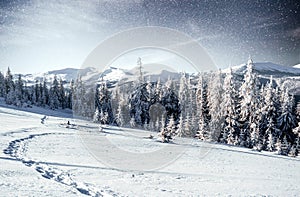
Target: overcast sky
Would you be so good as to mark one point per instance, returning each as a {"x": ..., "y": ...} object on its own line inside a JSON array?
[{"x": 37, "y": 36}]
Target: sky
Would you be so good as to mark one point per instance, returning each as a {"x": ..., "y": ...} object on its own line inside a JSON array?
[{"x": 38, "y": 36}]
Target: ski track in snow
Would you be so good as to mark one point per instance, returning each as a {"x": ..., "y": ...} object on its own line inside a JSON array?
[{"x": 18, "y": 148}]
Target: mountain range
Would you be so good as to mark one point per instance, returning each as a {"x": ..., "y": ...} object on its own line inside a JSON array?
[{"x": 153, "y": 72}]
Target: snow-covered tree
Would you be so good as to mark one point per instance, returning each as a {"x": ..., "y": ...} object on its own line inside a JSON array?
[
  {"x": 9, "y": 88},
  {"x": 283, "y": 147},
  {"x": 54, "y": 94},
  {"x": 96, "y": 117},
  {"x": 229, "y": 111},
  {"x": 168, "y": 133},
  {"x": 103, "y": 103},
  {"x": 214, "y": 98},
  {"x": 183, "y": 93},
  {"x": 79, "y": 99},
  {"x": 119, "y": 116},
  {"x": 70, "y": 94},
  {"x": 267, "y": 118},
  {"x": 249, "y": 131},
  {"x": 62, "y": 95},
  {"x": 171, "y": 102},
  {"x": 286, "y": 121},
  {"x": 140, "y": 105},
  {"x": 19, "y": 91},
  {"x": 203, "y": 132},
  {"x": 8, "y": 81},
  {"x": 2, "y": 85},
  {"x": 180, "y": 127},
  {"x": 45, "y": 94}
]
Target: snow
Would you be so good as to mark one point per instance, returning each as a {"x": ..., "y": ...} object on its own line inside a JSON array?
[
  {"x": 297, "y": 66},
  {"x": 266, "y": 67},
  {"x": 50, "y": 159}
]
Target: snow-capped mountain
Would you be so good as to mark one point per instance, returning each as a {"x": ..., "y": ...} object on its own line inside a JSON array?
[
  {"x": 268, "y": 68},
  {"x": 150, "y": 72},
  {"x": 297, "y": 66},
  {"x": 66, "y": 75}
]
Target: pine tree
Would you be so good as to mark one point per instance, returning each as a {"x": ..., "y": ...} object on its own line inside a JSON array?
[
  {"x": 268, "y": 117},
  {"x": 103, "y": 103},
  {"x": 270, "y": 133},
  {"x": 296, "y": 145},
  {"x": 8, "y": 81},
  {"x": 45, "y": 94},
  {"x": 70, "y": 95},
  {"x": 187, "y": 126},
  {"x": 2, "y": 85},
  {"x": 19, "y": 91},
  {"x": 214, "y": 103},
  {"x": 283, "y": 147},
  {"x": 79, "y": 98},
  {"x": 202, "y": 110},
  {"x": 249, "y": 131},
  {"x": 180, "y": 127},
  {"x": 286, "y": 121},
  {"x": 119, "y": 116},
  {"x": 62, "y": 95},
  {"x": 293, "y": 151},
  {"x": 9, "y": 88},
  {"x": 183, "y": 93},
  {"x": 169, "y": 131},
  {"x": 140, "y": 105},
  {"x": 96, "y": 117},
  {"x": 228, "y": 108},
  {"x": 54, "y": 94}
]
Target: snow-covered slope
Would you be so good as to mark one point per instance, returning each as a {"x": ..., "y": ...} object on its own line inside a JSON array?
[
  {"x": 52, "y": 160},
  {"x": 65, "y": 74},
  {"x": 151, "y": 72},
  {"x": 297, "y": 66},
  {"x": 268, "y": 68}
]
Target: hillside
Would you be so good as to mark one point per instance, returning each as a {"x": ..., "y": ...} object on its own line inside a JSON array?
[
  {"x": 51, "y": 159},
  {"x": 268, "y": 68}
]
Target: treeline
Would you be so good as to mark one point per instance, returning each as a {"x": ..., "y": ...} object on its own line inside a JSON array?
[
  {"x": 16, "y": 92},
  {"x": 212, "y": 107}
]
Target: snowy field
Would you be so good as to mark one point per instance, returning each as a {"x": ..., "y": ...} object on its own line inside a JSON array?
[{"x": 52, "y": 160}]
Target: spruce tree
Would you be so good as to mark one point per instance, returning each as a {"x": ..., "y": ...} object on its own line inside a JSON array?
[
  {"x": 228, "y": 108},
  {"x": 249, "y": 131},
  {"x": 183, "y": 93},
  {"x": 62, "y": 94},
  {"x": 9, "y": 88},
  {"x": 286, "y": 121},
  {"x": 203, "y": 132},
  {"x": 180, "y": 127},
  {"x": 103, "y": 103},
  {"x": 268, "y": 117},
  {"x": 54, "y": 94},
  {"x": 19, "y": 91},
  {"x": 119, "y": 116},
  {"x": 45, "y": 94},
  {"x": 214, "y": 102},
  {"x": 2, "y": 85}
]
